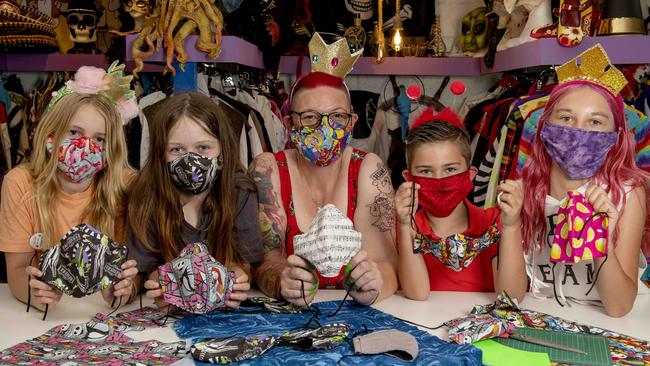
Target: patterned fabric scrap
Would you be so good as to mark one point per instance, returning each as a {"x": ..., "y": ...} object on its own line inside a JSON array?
[{"x": 93, "y": 343}]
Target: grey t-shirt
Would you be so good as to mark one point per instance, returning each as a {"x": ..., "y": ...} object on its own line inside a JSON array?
[{"x": 246, "y": 235}]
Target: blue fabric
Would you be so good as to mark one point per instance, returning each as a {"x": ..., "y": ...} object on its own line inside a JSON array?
[
  {"x": 185, "y": 80},
  {"x": 404, "y": 107},
  {"x": 433, "y": 350}
]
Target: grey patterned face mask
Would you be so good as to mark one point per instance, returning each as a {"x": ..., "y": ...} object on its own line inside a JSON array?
[
  {"x": 579, "y": 153},
  {"x": 391, "y": 342},
  {"x": 194, "y": 173}
]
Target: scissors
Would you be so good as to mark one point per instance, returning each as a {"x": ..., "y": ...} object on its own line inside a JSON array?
[{"x": 542, "y": 342}]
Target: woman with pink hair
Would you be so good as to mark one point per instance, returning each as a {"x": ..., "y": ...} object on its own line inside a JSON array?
[{"x": 582, "y": 147}]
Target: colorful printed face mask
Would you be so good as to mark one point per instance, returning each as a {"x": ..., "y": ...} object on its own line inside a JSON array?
[
  {"x": 194, "y": 173},
  {"x": 456, "y": 251},
  {"x": 79, "y": 158},
  {"x": 579, "y": 153},
  {"x": 322, "y": 146},
  {"x": 441, "y": 196},
  {"x": 195, "y": 281},
  {"x": 228, "y": 350},
  {"x": 329, "y": 244},
  {"x": 84, "y": 262},
  {"x": 580, "y": 233}
]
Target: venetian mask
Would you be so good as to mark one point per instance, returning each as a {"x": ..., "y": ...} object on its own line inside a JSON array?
[
  {"x": 136, "y": 8},
  {"x": 474, "y": 30}
]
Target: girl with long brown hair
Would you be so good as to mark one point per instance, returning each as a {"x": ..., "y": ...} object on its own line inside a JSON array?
[{"x": 218, "y": 205}]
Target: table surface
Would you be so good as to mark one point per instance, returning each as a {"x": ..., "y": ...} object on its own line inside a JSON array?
[{"x": 19, "y": 325}]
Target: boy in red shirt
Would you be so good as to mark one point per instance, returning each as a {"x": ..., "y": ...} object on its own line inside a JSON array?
[{"x": 460, "y": 246}]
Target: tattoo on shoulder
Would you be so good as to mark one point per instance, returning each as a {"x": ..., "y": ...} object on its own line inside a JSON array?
[
  {"x": 271, "y": 219},
  {"x": 382, "y": 208}
]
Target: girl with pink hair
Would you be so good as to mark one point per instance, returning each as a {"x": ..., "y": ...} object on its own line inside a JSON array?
[{"x": 582, "y": 146}]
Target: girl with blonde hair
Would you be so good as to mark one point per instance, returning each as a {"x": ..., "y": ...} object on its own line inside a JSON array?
[{"x": 76, "y": 174}]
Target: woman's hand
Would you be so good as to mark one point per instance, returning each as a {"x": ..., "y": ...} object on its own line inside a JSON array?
[
  {"x": 298, "y": 284},
  {"x": 240, "y": 288},
  {"x": 42, "y": 293},
  {"x": 366, "y": 278}
]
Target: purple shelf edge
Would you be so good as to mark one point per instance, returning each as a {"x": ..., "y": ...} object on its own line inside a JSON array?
[
  {"x": 233, "y": 50},
  {"x": 60, "y": 62},
  {"x": 461, "y": 66},
  {"x": 547, "y": 51}
]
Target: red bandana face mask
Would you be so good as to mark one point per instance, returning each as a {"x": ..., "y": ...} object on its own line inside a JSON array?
[{"x": 440, "y": 196}]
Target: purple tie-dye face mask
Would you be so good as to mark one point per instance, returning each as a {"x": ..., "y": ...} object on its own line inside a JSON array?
[
  {"x": 580, "y": 233},
  {"x": 579, "y": 153},
  {"x": 195, "y": 281}
]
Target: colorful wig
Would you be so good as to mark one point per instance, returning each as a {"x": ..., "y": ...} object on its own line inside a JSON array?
[
  {"x": 313, "y": 80},
  {"x": 619, "y": 169}
]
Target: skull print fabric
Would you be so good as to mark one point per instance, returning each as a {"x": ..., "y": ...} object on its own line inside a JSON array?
[
  {"x": 580, "y": 234},
  {"x": 194, "y": 173},
  {"x": 195, "y": 281},
  {"x": 84, "y": 262}
]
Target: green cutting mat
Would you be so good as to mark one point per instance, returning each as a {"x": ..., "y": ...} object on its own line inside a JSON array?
[{"x": 596, "y": 346}]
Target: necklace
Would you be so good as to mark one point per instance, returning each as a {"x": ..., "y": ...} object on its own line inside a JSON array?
[{"x": 303, "y": 179}]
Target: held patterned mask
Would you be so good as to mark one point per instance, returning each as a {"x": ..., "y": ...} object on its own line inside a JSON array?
[
  {"x": 580, "y": 233},
  {"x": 84, "y": 262},
  {"x": 579, "y": 153},
  {"x": 329, "y": 244},
  {"x": 194, "y": 173},
  {"x": 322, "y": 146},
  {"x": 456, "y": 251},
  {"x": 195, "y": 281},
  {"x": 440, "y": 196},
  {"x": 79, "y": 158}
]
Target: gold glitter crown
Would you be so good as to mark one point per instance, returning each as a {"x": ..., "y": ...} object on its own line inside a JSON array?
[
  {"x": 594, "y": 67},
  {"x": 334, "y": 59}
]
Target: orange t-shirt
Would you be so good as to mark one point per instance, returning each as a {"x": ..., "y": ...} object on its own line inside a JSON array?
[
  {"x": 477, "y": 277},
  {"x": 19, "y": 218}
]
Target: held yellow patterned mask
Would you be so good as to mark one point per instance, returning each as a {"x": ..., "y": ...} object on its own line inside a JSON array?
[{"x": 580, "y": 234}]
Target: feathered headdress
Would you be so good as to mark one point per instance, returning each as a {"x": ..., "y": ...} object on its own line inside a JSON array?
[{"x": 112, "y": 84}]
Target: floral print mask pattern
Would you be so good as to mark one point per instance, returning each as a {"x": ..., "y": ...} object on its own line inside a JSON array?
[{"x": 79, "y": 158}]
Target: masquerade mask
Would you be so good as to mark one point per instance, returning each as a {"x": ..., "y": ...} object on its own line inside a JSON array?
[
  {"x": 329, "y": 244},
  {"x": 581, "y": 233},
  {"x": 194, "y": 173},
  {"x": 457, "y": 251},
  {"x": 441, "y": 196},
  {"x": 84, "y": 262},
  {"x": 578, "y": 152},
  {"x": 322, "y": 146},
  {"x": 392, "y": 342},
  {"x": 79, "y": 158},
  {"x": 195, "y": 281}
]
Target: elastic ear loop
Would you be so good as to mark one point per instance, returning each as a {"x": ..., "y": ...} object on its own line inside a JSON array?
[
  {"x": 29, "y": 290},
  {"x": 351, "y": 286},
  {"x": 349, "y": 340},
  {"x": 557, "y": 299},
  {"x": 414, "y": 225},
  {"x": 119, "y": 303},
  {"x": 315, "y": 312}
]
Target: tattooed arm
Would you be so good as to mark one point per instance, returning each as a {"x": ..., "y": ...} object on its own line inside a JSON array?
[
  {"x": 273, "y": 223},
  {"x": 375, "y": 272}
]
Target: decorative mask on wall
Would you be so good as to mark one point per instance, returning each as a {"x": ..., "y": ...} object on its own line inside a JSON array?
[
  {"x": 474, "y": 30},
  {"x": 82, "y": 17}
]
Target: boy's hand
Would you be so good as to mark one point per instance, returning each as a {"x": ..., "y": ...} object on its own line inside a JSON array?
[
  {"x": 404, "y": 205},
  {"x": 510, "y": 199}
]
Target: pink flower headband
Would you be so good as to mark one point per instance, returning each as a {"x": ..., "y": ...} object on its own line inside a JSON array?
[{"x": 111, "y": 83}]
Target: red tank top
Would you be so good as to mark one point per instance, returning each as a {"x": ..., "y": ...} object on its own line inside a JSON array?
[{"x": 287, "y": 202}]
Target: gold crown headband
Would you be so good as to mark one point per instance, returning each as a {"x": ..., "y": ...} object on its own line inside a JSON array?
[
  {"x": 334, "y": 59},
  {"x": 594, "y": 66}
]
